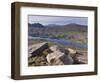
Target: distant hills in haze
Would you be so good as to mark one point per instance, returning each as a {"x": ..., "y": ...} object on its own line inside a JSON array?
[{"x": 67, "y": 27}]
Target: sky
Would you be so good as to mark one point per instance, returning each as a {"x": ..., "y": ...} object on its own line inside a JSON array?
[{"x": 59, "y": 20}]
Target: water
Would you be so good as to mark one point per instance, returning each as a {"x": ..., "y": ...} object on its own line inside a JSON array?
[{"x": 61, "y": 41}]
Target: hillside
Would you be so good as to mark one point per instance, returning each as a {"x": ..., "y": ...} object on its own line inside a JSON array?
[
  {"x": 67, "y": 27},
  {"x": 74, "y": 32}
]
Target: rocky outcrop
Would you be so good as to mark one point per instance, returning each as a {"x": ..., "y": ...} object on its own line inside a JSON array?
[
  {"x": 59, "y": 56},
  {"x": 42, "y": 54},
  {"x": 36, "y": 49}
]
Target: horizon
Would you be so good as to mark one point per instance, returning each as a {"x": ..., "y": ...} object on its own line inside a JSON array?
[
  {"x": 57, "y": 20},
  {"x": 57, "y": 24}
]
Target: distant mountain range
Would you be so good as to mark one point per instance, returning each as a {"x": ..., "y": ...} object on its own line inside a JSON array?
[
  {"x": 75, "y": 27},
  {"x": 67, "y": 27}
]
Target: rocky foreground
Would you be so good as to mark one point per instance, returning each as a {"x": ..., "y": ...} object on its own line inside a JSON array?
[{"x": 42, "y": 54}]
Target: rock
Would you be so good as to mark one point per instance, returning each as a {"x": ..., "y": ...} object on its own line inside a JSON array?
[
  {"x": 54, "y": 48},
  {"x": 36, "y": 49},
  {"x": 80, "y": 59},
  {"x": 57, "y": 48},
  {"x": 72, "y": 52},
  {"x": 59, "y": 57}
]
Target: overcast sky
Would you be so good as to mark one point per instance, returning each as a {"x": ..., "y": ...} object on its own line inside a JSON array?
[{"x": 60, "y": 20}]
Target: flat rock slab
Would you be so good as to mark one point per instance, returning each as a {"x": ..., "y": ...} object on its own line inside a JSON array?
[{"x": 36, "y": 49}]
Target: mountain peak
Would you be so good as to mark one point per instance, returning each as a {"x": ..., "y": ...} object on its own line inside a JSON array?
[{"x": 36, "y": 25}]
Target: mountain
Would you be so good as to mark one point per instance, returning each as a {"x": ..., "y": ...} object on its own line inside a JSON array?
[
  {"x": 75, "y": 27},
  {"x": 59, "y": 28},
  {"x": 38, "y": 25},
  {"x": 68, "y": 27},
  {"x": 69, "y": 31}
]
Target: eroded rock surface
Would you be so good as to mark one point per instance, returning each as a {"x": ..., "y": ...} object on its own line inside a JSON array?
[{"x": 59, "y": 56}]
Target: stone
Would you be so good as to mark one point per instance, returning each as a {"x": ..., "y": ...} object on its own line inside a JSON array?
[
  {"x": 80, "y": 59},
  {"x": 36, "y": 49},
  {"x": 59, "y": 56},
  {"x": 72, "y": 52}
]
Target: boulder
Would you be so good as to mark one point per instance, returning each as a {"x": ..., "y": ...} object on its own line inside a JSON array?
[
  {"x": 80, "y": 59},
  {"x": 36, "y": 49},
  {"x": 59, "y": 56},
  {"x": 72, "y": 52}
]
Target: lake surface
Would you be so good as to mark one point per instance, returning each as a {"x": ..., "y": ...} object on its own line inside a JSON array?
[{"x": 60, "y": 41}]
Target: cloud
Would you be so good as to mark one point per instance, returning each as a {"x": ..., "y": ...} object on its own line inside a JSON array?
[{"x": 61, "y": 20}]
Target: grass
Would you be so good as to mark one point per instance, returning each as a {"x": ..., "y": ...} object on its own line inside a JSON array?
[
  {"x": 31, "y": 42},
  {"x": 78, "y": 37}
]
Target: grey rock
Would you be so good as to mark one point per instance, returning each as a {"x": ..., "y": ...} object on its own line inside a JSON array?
[
  {"x": 72, "y": 52},
  {"x": 80, "y": 59},
  {"x": 36, "y": 49},
  {"x": 59, "y": 56}
]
